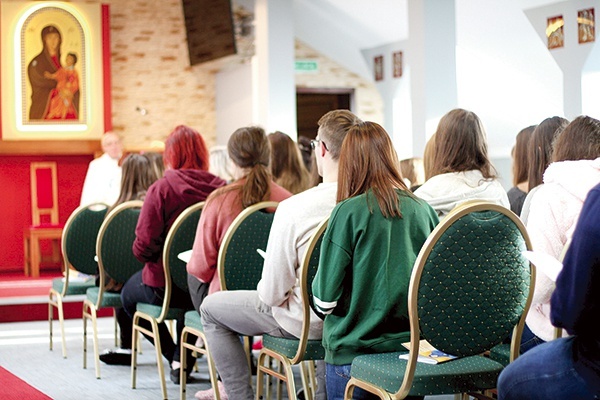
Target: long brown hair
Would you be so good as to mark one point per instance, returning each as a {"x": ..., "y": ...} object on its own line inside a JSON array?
[
  {"x": 287, "y": 166},
  {"x": 137, "y": 175},
  {"x": 460, "y": 145},
  {"x": 249, "y": 148},
  {"x": 520, "y": 158},
  {"x": 579, "y": 141},
  {"x": 368, "y": 162},
  {"x": 540, "y": 148}
]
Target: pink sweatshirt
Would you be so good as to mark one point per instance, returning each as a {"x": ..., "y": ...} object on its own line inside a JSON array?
[{"x": 217, "y": 215}]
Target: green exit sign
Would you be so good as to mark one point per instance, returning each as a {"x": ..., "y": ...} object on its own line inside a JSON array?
[{"x": 306, "y": 66}]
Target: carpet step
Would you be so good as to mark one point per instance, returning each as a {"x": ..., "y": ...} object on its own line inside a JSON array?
[{"x": 39, "y": 311}]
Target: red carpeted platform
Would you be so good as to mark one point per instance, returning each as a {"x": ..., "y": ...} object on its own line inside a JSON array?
[
  {"x": 14, "y": 388},
  {"x": 26, "y": 299}
]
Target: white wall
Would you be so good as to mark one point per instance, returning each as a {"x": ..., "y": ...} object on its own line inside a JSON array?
[{"x": 233, "y": 101}]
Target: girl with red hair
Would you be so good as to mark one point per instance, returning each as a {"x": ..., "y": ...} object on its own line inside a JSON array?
[{"x": 186, "y": 181}]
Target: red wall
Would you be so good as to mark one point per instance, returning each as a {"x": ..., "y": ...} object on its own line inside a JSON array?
[{"x": 15, "y": 200}]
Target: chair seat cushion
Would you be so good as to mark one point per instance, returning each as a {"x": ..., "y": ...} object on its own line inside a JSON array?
[
  {"x": 154, "y": 311},
  {"x": 46, "y": 226},
  {"x": 501, "y": 353},
  {"x": 192, "y": 320},
  {"x": 460, "y": 375},
  {"x": 74, "y": 288},
  {"x": 109, "y": 299},
  {"x": 288, "y": 347}
]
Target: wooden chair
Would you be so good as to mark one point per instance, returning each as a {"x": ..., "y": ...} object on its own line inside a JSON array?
[
  {"x": 78, "y": 248},
  {"x": 180, "y": 238},
  {"x": 288, "y": 351},
  {"x": 239, "y": 267},
  {"x": 470, "y": 286},
  {"x": 115, "y": 258},
  {"x": 44, "y": 216}
]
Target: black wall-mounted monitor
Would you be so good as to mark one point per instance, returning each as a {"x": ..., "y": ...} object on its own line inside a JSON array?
[{"x": 209, "y": 29}]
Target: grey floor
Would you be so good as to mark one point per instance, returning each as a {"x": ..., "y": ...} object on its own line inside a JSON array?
[{"x": 24, "y": 352}]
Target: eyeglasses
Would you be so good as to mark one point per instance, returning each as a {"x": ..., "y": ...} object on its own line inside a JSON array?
[{"x": 315, "y": 143}]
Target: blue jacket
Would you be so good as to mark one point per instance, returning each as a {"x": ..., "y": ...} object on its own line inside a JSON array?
[{"x": 575, "y": 304}]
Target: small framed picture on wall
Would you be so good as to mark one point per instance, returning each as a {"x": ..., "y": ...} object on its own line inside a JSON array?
[
  {"x": 586, "y": 25},
  {"x": 397, "y": 64},
  {"x": 555, "y": 32},
  {"x": 378, "y": 68}
]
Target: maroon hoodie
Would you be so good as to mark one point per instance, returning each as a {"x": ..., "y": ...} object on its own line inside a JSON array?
[{"x": 165, "y": 200}]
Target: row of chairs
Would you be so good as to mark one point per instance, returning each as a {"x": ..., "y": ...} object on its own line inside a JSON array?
[
  {"x": 89, "y": 231},
  {"x": 470, "y": 287}
]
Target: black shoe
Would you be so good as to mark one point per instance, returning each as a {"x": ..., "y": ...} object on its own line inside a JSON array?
[
  {"x": 116, "y": 357},
  {"x": 175, "y": 376}
]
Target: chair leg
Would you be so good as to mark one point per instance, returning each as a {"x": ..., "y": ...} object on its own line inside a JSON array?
[
  {"x": 50, "y": 318},
  {"x": 58, "y": 303},
  {"x": 156, "y": 337},
  {"x": 34, "y": 257},
  {"x": 161, "y": 369},
  {"x": 308, "y": 378},
  {"x": 96, "y": 352},
  {"x": 183, "y": 364},
  {"x": 27, "y": 261},
  {"x": 86, "y": 315},
  {"x": 134, "y": 345}
]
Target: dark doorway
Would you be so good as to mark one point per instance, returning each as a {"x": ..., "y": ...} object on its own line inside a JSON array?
[{"x": 312, "y": 103}]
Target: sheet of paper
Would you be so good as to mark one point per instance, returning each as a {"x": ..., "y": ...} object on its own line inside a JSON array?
[
  {"x": 262, "y": 253},
  {"x": 544, "y": 263},
  {"x": 185, "y": 256}
]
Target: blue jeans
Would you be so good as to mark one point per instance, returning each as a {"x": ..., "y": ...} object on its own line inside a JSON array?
[
  {"x": 337, "y": 377},
  {"x": 545, "y": 372},
  {"x": 529, "y": 340}
]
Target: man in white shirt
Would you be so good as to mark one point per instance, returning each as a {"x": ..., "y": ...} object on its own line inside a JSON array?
[
  {"x": 103, "y": 179},
  {"x": 275, "y": 307}
]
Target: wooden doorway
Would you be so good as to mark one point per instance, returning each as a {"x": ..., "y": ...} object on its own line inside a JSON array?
[{"x": 312, "y": 103}]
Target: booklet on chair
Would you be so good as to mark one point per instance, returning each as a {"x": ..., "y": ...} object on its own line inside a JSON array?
[{"x": 428, "y": 354}]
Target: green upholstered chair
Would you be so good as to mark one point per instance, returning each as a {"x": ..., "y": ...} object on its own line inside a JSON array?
[
  {"x": 239, "y": 267},
  {"x": 301, "y": 351},
  {"x": 78, "y": 248},
  {"x": 115, "y": 258},
  {"x": 470, "y": 286},
  {"x": 179, "y": 238},
  {"x": 239, "y": 264}
]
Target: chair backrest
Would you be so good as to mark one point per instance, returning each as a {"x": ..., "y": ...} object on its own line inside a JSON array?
[
  {"x": 180, "y": 238},
  {"x": 115, "y": 242},
  {"x": 239, "y": 264},
  {"x": 308, "y": 270},
  {"x": 79, "y": 236},
  {"x": 44, "y": 192},
  {"x": 471, "y": 285}
]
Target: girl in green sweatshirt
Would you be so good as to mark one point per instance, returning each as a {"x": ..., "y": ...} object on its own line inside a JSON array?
[{"x": 374, "y": 235}]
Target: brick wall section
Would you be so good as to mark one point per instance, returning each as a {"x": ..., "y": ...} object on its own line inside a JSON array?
[{"x": 150, "y": 69}]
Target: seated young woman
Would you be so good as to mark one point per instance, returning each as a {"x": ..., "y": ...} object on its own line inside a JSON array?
[
  {"x": 371, "y": 243},
  {"x": 457, "y": 166},
  {"x": 186, "y": 181},
  {"x": 249, "y": 150}
]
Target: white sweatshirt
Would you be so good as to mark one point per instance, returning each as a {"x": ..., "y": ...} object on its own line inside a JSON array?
[
  {"x": 295, "y": 220},
  {"x": 555, "y": 207},
  {"x": 446, "y": 191}
]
